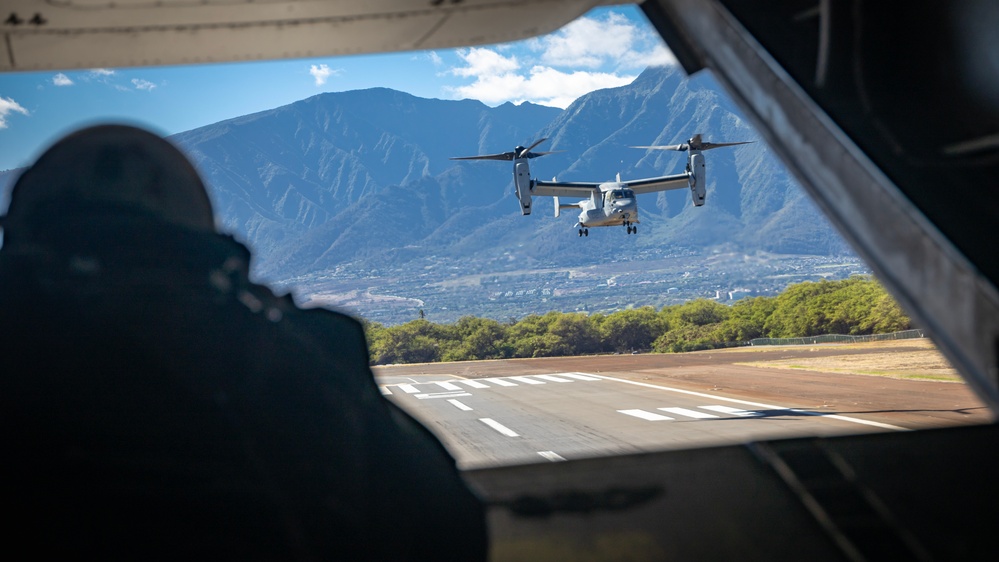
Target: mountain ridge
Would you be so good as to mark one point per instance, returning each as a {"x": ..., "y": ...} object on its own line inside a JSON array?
[{"x": 360, "y": 181}]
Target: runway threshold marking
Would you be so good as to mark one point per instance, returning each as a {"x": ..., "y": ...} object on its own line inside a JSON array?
[
  {"x": 580, "y": 376},
  {"x": 734, "y": 411},
  {"x": 526, "y": 380},
  {"x": 552, "y": 378},
  {"x": 448, "y": 386},
  {"x": 385, "y": 390},
  {"x": 759, "y": 405},
  {"x": 689, "y": 413},
  {"x": 452, "y": 394},
  {"x": 473, "y": 384},
  {"x": 499, "y": 427},
  {"x": 645, "y": 415},
  {"x": 460, "y": 405},
  {"x": 408, "y": 388},
  {"x": 551, "y": 455},
  {"x": 500, "y": 382}
]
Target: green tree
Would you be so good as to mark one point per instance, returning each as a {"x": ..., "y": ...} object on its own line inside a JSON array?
[
  {"x": 746, "y": 319},
  {"x": 417, "y": 341},
  {"x": 688, "y": 337},
  {"x": 858, "y": 305},
  {"x": 575, "y": 335},
  {"x": 700, "y": 312},
  {"x": 886, "y": 316},
  {"x": 553, "y": 334},
  {"x": 472, "y": 338},
  {"x": 632, "y": 329}
]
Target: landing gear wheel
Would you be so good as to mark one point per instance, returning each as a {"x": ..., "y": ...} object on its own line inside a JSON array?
[
  {"x": 586, "y": 232},
  {"x": 581, "y": 232}
]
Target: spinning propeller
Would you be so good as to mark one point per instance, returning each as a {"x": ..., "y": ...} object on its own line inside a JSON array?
[
  {"x": 515, "y": 154},
  {"x": 694, "y": 143}
]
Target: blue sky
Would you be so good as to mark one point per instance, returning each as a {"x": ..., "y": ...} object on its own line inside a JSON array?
[{"x": 38, "y": 108}]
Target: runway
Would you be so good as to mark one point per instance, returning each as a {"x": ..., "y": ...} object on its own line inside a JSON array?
[{"x": 499, "y": 413}]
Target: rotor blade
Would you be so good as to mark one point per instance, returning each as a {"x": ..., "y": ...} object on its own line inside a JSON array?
[
  {"x": 536, "y": 154},
  {"x": 710, "y": 145},
  {"x": 502, "y": 156},
  {"x": 528, "y": 149},
  {"x": 678, "y": 147}
]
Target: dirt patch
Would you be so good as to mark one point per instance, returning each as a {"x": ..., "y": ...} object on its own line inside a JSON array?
[{"x": 916, "y": 359}]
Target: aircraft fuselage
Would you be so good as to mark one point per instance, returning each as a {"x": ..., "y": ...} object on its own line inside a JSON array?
[{"x": 615, "y": 205}]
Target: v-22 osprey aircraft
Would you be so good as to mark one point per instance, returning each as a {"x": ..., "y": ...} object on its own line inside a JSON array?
[{"x": 611, "y": 203}]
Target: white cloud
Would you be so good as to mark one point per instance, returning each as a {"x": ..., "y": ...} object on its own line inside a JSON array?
[
  {"x": 435, "y": 58},
  {"x": 141, "y": 84},
  {"x": 102, "y": 72},
  {"x": 61, "y": 80},
  {"x": 543, "y": 85},
  {"x": 8, "y": 106},
  {"x": 586, "y": 55},
  {"x": 322, "y": 73},
  {"x": 659, "y": 55},
  {"x": 589, "y": 42},
  {"x": 484, "y": 62},
  {"x": 612, "y": 41}
]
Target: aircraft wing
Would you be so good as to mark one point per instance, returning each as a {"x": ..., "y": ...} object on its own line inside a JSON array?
[
  {"x": 564, "y": 189},
  {"x": 42, "y": 34},
  {"x": 584, "y": 189},
  {"x": 662, "y": 183}
]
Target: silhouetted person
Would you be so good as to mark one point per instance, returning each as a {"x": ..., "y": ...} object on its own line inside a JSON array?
[{"x": 156, "y": 403}]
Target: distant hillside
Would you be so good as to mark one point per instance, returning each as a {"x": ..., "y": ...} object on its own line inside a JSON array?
[
  {"x": 363, "y": 177},
  {"x": 355, "y": 189}
]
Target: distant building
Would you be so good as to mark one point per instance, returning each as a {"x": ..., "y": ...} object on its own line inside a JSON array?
[{"x": 737, "y": 294}]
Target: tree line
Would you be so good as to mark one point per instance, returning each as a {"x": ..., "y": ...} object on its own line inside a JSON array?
[{"x": 858, "y": 306}]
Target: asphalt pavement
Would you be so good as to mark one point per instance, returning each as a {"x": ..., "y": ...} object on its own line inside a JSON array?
[{"x": 499, "y": 413}]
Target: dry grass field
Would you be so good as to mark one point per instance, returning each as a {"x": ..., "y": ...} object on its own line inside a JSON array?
[{"x": 918, "y": 360}]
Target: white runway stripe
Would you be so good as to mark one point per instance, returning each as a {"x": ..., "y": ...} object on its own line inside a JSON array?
[
  {"x": 501, "y": 382},
  {"x": 688, "y": 413},
  {"x": 757, "y": 404},
  {"x": 460, "y": 405},
  {"x": 499, "y": 427},
  {"x": 731, "y": 411},
  {"x": 551, "y": 455},
  {"x": 526, "y": 380},
  {"x": 645, "y": 415},
  {"x": 448, "y": 386},
  {"x": 408, "y": 388},
  {"x": 553, "y": 378},
  {"x": 580, "y": 376},
  {"x": 473, "y": 384},
  {"x": 385, "y": 390},
  {"x": 448, "y": 394}
]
